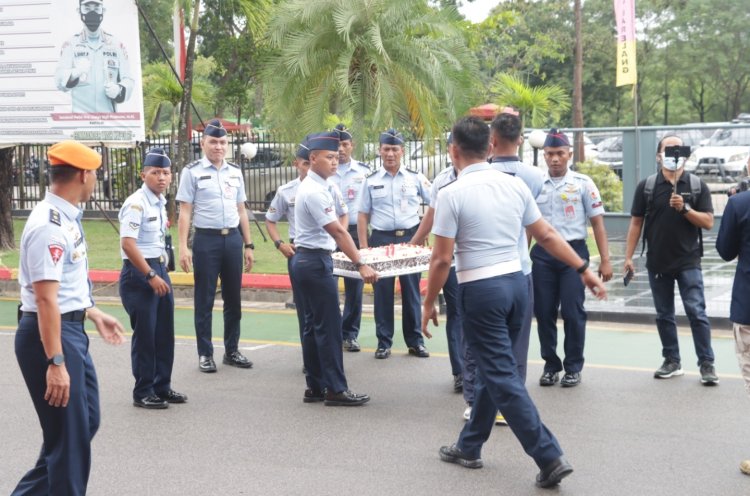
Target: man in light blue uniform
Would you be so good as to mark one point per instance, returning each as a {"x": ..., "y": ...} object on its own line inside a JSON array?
[
  {"x": 282, "y": 206},
  {"x": 51, "y": 345},
  {"x": 145, "y": 287},
  {"x": 318, "y": 234},
  {"x": 481, "y": 215},
  {"x": 94, "y": 65},
  {"x": 453, "y": 331},
  {"x": 350, "y": 177},
  {"x": 213, "y": 191},
  {"x": 391, "y": 197},
  {"x": 569, "y": 201}
]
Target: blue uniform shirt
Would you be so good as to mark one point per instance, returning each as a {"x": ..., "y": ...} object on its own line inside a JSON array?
[
  {"x": 534, "y": 179},
  {"x": 100, "y": 60},
  {"x": 284, "y": 200},
  {"x": 143, "y": 216},
  {"x": 314, "y": 209},
  {"x": 484, "y": 210},
  {"x": 213, "y": 193},
  {"x": 53, "y": 249},
  {"x": 569, "y": 203},
  {"x": 350, "y": 178},
  {"x": 393, "y": 201}
]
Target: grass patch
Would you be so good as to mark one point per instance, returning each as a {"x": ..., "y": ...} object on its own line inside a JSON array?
[{"x": 104, "y": 247}]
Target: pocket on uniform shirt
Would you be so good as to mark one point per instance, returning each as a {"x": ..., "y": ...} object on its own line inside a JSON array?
[
  {"x": 378, "y": 193},
  {"x": 542, "y": 198}
]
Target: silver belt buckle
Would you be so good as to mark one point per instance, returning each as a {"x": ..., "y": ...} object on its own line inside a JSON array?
[
  {"x": 224, "y": 231},
  {"x": 400, "y": 232}
]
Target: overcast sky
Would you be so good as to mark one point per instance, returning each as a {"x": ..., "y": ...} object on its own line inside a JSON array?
[{"x": 477, "y": 10}]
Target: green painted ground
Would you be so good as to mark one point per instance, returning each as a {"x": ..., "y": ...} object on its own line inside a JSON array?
[{"x": 609, "y": 345}]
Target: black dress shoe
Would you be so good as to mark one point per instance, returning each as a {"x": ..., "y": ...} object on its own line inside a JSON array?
[
  {"x": 419, "y": 351},
  {"x": 313, "y": 396},
  {"x": 151, "y": 403},
  {"x": 237, "y": 359},
  {"x": 206, "y": 364},
  {"x": 452, "y": 454},
  {"x": 172, "y": 396},
  {"x": 458, "y": 383},
  {"x": 549, "y": 379},
  {"x": 571, "y": 379},
  {"x": 382, "y": 353},
  {"x": 345, "y": 398},
  {"x": 554, "y": 472}
]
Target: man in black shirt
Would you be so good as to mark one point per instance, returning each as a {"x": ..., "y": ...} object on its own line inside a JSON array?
[{"x": 673, "y": 218}]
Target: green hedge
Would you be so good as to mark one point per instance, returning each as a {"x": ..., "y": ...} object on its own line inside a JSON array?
[{"x": 609, "y": 184}]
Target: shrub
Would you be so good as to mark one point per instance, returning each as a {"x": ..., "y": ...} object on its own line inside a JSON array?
[{"x": 609, "y": 184}]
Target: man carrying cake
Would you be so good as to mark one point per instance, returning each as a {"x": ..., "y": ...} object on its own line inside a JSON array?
[
  {"x": 389, "y": 202},
  {"x": 318, "y": 232}
]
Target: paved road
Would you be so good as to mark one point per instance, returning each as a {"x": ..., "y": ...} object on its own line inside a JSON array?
[{"x": 248, "y": 432}]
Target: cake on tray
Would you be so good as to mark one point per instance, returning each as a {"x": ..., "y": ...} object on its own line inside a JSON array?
[{"x": 387, "y": 261}]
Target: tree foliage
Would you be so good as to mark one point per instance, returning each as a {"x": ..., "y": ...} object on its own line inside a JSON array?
[{"x": 386, "y": 63}]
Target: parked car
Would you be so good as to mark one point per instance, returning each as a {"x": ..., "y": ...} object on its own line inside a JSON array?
[
  {"x": 725, "y": 154},
  {"x": 266, "y": 171}
]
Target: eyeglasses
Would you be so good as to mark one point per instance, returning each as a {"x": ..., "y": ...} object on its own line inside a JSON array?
[{"x": 91, "y": 7}]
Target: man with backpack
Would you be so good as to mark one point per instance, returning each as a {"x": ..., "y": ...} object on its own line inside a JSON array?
[{"x": 674, "y": 206}]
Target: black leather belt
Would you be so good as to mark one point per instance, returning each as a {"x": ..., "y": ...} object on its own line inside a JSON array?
[
  {"x": 159, "y": 260},
  {"x": 398, "y": 232},
  {"x": 218, "y": 232},
  {"x": 75, "y": 316},
  {"x": 352, "y": 227},
  {"x": 313, "y": 250}
]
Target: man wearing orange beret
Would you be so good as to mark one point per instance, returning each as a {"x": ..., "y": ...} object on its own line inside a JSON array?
[{"x": 51, "y": 344}]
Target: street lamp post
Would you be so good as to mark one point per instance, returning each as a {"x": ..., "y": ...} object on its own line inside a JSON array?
[{"x": 536, "y": 140}]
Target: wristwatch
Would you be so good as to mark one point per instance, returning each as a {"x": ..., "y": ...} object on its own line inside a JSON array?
[
  {"x": 583, "y": 267},
  {"x": 249, "y": 245},
  {"x": 686, "y": 208},
  {"x": 278, "y": 243},
  {"x": 357, "y": 265},
  {"x": 58, "y": 359},
  {"x": 151, "y": 274}
]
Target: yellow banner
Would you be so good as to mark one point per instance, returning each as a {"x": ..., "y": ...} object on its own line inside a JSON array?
[{"x": 626, "y": 67}]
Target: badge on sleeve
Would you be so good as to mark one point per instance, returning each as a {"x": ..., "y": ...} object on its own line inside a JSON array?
[
  {"x": 133, "y": 225},
  {"x": 56, "y": 251}
]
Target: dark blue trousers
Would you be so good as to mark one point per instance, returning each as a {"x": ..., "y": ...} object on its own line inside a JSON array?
[
  {"x": 152, "y": 321},
  {"x": 65, "y": 459},
  {"x": 322, "y": 355},
  {"x": 299, "y": 305},
  {"x": 411, "y": 308},
  {"x": 217, "y": 256},
  {"x": 520, "y": 344},
  {"x": 558, "y": 286},
  {"x": 453, "y": 323},
  {"x": 353, "y": 287},
  {"x": 492, "y": 313}
]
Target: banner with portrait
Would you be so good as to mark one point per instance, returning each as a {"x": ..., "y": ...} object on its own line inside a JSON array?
[{"x": 70, "y": 69}]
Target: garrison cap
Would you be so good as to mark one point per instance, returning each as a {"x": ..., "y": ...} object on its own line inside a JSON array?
[
  {"x": 215, "y": 129},
  {"x": 303, "y": 151},
  {"x": 324, "y": 141},
  {"x": 74, "y": 154},
  {"x": 100, "y": 2},
  {"x": 156, "y": 157},
  {"x": 391, "y": 137},
  {"x": 556, "y": 139},
  {"x": 344, "y": 133}
]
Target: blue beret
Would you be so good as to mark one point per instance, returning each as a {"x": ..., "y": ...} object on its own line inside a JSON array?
[
  {"x": 556, "y": 139},
  {"x": 303, "y": 151},
  {"x": 156, "y": 157},
  {"x": 391, "y": 137},
  {"x": 215, "y": 129},
  {"x": 324, "y": 141},
  {"x": 344, "y": 134}
]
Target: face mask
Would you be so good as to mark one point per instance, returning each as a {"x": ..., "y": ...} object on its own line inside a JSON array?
[
  {"x": 670, "y": 163},
  {"x": 92, "y": 20}
]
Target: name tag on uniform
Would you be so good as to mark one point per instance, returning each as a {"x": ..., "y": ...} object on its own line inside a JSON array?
[
  {"x": 152, "y": 219},
  {"x": 204, "y": 177}
]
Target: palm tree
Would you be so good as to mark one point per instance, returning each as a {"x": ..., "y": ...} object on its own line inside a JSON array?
[
  {"x": 538, "y": 105},
  {"x": 384, "y": 62}
]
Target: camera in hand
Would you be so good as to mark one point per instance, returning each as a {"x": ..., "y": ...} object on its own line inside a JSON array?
[{"x": 677, "y": 151}]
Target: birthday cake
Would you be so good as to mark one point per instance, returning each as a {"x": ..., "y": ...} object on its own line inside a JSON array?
[{"x": 387, "y": 261}]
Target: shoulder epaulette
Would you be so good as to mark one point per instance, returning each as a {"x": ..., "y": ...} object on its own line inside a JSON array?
[
  {"x": 230, "y": 164},
  {"x": 446, "y": 184},
  {"x": 372, "y": 173},
  {"x": 54, "y": 217},
  {"x": 413, "y": 171},
  {"x": 193, "y": 164},
  {"x": 362, "y": 164}
]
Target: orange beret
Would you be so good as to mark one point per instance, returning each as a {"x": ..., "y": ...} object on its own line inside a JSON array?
[{"x": 74, "y": 154}]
